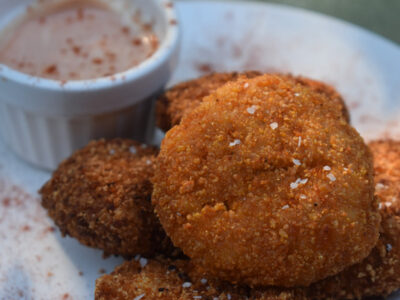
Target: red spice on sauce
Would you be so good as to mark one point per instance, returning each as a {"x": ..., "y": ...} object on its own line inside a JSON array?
[
  {"x": 75, "y": 40},
  {"x": 50, "y": 69}
]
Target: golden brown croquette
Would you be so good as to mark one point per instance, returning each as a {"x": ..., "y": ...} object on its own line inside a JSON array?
[
  {"x": 160, "y": 279},
  {"x": 387, "y": 171},
  {"x": 377, "y": 275},
  {"x": 186, "y": 96},
  {"x": 257, "y": 183},
  {"x": 101, "y": 196}
]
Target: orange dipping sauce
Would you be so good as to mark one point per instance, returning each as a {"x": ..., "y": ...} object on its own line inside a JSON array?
[{"x": 75, "y": 41}]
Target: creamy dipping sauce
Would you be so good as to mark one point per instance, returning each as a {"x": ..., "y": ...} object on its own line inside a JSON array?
[{"x": 74, "y": 41}]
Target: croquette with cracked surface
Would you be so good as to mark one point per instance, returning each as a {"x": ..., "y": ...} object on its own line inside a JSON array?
[
  {"x": 101, "y": 196},
  {"x": 182, "y": 98},
  {"x": 377, "y": 275},
  {"x": 258, "y": 183}
]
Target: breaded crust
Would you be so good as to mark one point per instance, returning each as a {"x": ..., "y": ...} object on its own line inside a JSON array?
[
  {"x": 160, "y": 279},
  {"x": 377, "y": 275},
  {"x": 326, "y": 89},
  {"x": 258, "y": 183},
  {"x": 185, "y": 96},
  {"x": 182, "y": 98},
  {"x": 101, "y": 196},
  {"x": 387, "y": 171}
]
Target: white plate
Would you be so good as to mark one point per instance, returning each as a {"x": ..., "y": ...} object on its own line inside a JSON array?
[{"x": 364, "y": 67}]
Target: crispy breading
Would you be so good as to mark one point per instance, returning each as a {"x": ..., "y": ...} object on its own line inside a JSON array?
[
  {"x": 257, "y": 183},
  {"x": 185, "y": 96},
  {"x": 182, "y": 98},
  {"x": 387, "y": 171},
  {"x": 377, "y": 275},
  {"x": 324, "y": 88},
  {"x": 101, "y": 196},
  {"x": 159, "y": 279}
]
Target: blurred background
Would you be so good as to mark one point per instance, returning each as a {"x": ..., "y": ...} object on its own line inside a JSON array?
[{"x": 380, "y": 16}]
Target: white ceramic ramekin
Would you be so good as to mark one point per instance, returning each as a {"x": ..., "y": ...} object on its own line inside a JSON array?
[{"x": 44, "y": 120}]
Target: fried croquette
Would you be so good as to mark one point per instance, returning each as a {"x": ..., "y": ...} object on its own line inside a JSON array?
[
  {"x": 326, "y": 89},
  {"x": 186, "y": 96},
  {"x": 266, "y": 183},
  {"x": 160, "y": 279},
  {"x": 101, "y": 196},
  {"x": 387, "y": 171},
  {"x": 377, "y": 275}
]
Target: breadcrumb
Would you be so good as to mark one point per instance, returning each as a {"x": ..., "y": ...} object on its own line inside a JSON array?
[{"x": 254, "y": 241}]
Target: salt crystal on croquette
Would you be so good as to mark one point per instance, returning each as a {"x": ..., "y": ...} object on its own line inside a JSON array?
[
  {"x": 296, "y": 162},
  {"x": 331, "y": 177},
  {"x": 143, "y": 262},
  {"x": 234, "y": 143},
  {"x": 139, "y": 297},
  {"x": 273, "y": 125},
  {"x": 299, "y": 142},
  {"x": 252, "y": 109},
  {"x": 186, "y": 96},
  {"x": 255, "y": 242}
]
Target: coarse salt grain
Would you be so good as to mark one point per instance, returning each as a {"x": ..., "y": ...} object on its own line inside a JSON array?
[
  {"x": 143, "y": 262},
  {"x": 197, "y": 297},
  {"x": 303, "y": 196},
  {"x": 298, "y": 181},
  {"x": 203, "y": 281},
  {"x": 285, "y": 206},
  {"x": 132, "y": 149},
  {"x": 331, "y": 177},
  {"x": 274, "y": 125},
  {"x": 389, "y": 247},
  {"x": 297, "y": 94},
  {"x": 345, "y": 169},
  {"x": 229, "y": 296},
  {"x": 380, "y": 186},
  {"x": 380, "y": 205},
  {"x": 303, "y": 181},
  {"x": 296, "y": 162},
  {"x": 326, "y": 168},
  {"x": 299, "y": 142},
  {"x": 139, "y": 297},
  {"x": 252, "y": 109},
  {"x": 234, "y": 143},
  {"x": 148, "y": 162},
  {"x": 112, "y": 151},
  {"x": 246, "y": 85},
  {"x": 186, "y": 284}
]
